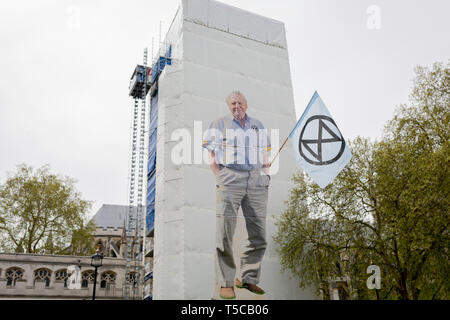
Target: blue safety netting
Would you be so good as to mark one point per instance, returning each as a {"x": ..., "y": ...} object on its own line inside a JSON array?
[
  {"x": 151, "y": 166},
  {"x": 161, "y": 63},
  {"x": 152, "y": 136}
]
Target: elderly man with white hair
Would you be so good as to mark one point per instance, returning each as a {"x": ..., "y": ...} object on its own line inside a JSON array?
[{"x": 238, "y": 146}]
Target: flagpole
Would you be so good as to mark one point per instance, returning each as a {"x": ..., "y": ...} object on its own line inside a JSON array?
[
  {"x": 279, "y": 151},
  {"x": 284, "y": 142},
  {"x": 301, "y": 117}
]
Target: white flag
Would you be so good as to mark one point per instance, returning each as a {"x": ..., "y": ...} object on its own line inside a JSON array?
[{"x": 319, "y": 146}]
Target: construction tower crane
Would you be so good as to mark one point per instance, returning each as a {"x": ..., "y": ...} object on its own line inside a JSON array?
[
  {"x": 139, "y": 86},
  {"x": 142, "y": 79}
]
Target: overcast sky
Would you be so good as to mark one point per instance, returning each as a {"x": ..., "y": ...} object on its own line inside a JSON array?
[{"x": 65, "y": 68}]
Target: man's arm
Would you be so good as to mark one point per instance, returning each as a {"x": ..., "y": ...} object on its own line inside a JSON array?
[
  {"x": 211, "y": 142},
  {"x": 266, "y": 163},
  {"x": 213, "y": 163}
]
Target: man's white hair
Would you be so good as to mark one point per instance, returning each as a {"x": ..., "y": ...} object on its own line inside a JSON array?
[{"x": 235, "y": 93}]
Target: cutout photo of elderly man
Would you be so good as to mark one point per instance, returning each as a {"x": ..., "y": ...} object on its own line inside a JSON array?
[{"x": 238, "y": 146}]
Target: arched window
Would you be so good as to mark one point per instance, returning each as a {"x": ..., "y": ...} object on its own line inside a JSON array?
[
  {"x": 86, "y": 278},
  {"x": 42, "y": 274},
  {"x": 132, "y": 279},
  {"x": 61, "y": 275},
  {"x": 12, "y": 275},
  {"x": 107, "y": 279}
]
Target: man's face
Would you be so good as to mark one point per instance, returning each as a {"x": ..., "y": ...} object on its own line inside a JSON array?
[{"x": 237, "y": 106}]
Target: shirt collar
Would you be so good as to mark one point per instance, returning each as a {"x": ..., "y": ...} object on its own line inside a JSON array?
[{"x": 247, "y": 120}]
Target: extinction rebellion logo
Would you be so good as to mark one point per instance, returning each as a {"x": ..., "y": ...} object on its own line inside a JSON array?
[{"x": 327, "y": 149}]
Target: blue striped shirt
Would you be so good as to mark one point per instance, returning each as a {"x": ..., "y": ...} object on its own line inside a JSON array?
[{"x": 237, "y": 147}]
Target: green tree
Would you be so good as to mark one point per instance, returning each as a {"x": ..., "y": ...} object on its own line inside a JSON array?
[
  {"x": 389, "y": 205},
  {"x": 41, "y": 212}
]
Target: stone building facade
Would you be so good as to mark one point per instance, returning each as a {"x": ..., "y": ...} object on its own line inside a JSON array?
[
  {"x": 38, "y": 276},
  {"x": 42, "y": 276}
]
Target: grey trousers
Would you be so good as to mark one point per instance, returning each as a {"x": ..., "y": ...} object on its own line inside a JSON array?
[{"x": 249, "y": 190}]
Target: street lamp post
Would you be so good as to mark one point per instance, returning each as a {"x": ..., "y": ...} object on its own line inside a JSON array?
[{"x": 96, "y": 262}]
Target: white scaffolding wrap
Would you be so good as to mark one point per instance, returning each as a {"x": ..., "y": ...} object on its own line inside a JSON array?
[
  {"x": 233, "y": 20},
  {"x": 217, "y": 49}
]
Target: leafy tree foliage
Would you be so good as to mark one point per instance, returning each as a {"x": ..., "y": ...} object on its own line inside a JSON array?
[
  {"x": 41, "y": 212},
  {"x": 389, "y": 206}
]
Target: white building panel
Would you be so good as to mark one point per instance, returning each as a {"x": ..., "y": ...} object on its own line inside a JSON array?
[{"x": 218, "y": 49}]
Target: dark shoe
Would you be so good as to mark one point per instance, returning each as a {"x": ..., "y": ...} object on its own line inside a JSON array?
[{"x": 250, "y": 287}]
